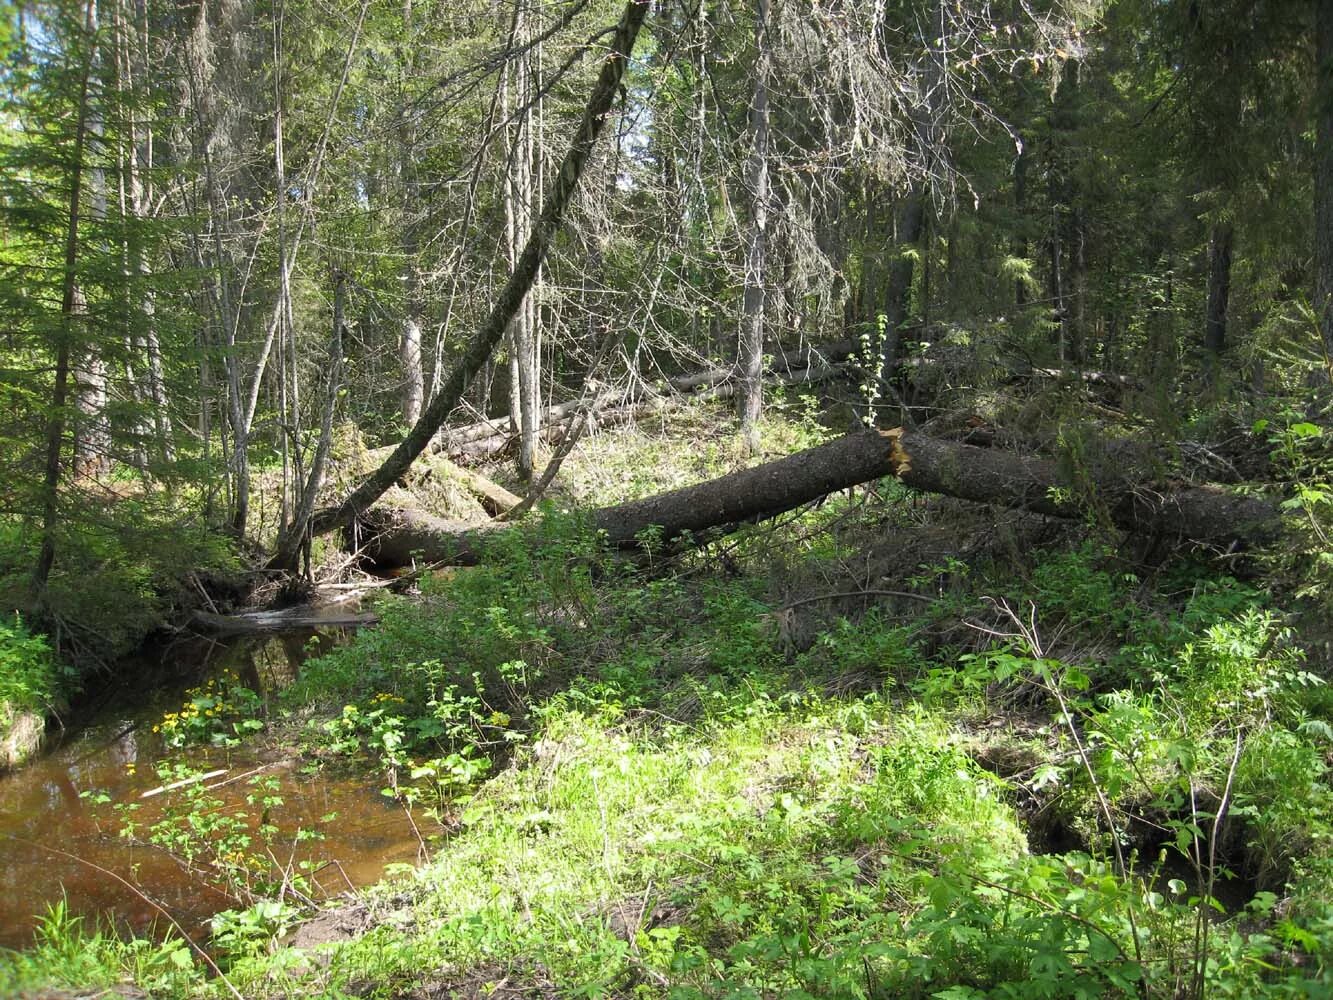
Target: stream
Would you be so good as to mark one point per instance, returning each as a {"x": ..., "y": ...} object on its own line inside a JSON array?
[{"x": 55, "y": 840}]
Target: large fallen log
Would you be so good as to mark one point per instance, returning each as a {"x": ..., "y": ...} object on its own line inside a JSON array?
[
  {"x": 1204, "y": 514},
  {"x": 282, "y": 620}
]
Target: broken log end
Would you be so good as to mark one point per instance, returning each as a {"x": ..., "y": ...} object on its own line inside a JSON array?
[{"x": 899, "y": 460}]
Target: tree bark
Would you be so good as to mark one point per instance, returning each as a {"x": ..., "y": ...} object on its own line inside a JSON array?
[
  {"x": 294, "y": 539},
  {"x": 409, "y": 355},
  {"x": 1057, "y": 283},
  {"x": 524, "y": 328},
  {"x": 70, "y": 307},
  {"x": 1219, "y": 291},
  {"x": 92, "y": 430},
  {"x": 1323, "y": 176},
  {"x": 409, "y": 343},
  {"x": 140, "y": 169},
  {"x": 1204, "y": 514},
  {"x": 92, "y": 438},
  {"x": 910, "y": 222},
  {"x": 1078, "y": 343},
  {"x": 515, "y": 289},
  {"x": 1019, "y": 247},
  {"x": 750, "y": 346}
]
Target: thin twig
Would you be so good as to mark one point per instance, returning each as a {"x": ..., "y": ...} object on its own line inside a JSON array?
[
  {"x": 1027, "y": 631},
  {"x": 246, "y": 774},
  {"x": 183, "y": 782},
  {"x": 1201, "y": 952}
]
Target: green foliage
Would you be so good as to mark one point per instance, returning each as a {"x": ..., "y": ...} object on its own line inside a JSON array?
[
  {"x": 218, "y": 713},
  {"x": 1303, "y": 459},
  {"x": 432, "y": 760},
  {"x": 68, "y": 952},
  {"x": 236, "y": 850},
  {"x": 1078, "y": 587},
  {"x": 802, "y": 847},
  {"x": 648, "y": 792},
  {"x": 873, "y": 648},
  {"x": 29, "y": 675},
  {"x": 122, "y": 574},
  {"x": 251, "y": 931}
]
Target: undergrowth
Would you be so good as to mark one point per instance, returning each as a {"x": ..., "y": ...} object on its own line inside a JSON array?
[
  {"x": 29, "y": 674},
  {"x": 116, "y": 579},
  {"x": 659, "y": 781}
]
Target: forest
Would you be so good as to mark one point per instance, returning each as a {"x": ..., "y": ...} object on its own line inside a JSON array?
[{"x": 666, "y": 498}]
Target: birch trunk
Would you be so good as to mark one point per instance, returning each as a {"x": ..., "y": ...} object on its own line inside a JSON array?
[{"x": 409, "y": 343}]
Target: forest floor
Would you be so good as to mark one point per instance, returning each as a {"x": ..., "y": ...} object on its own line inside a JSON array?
[{"x": 883, "y": 746}]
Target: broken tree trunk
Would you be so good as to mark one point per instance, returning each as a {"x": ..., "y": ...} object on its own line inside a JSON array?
[
  {"x": 516, "y": 288},
  {"x": 1204, "y": 514}
]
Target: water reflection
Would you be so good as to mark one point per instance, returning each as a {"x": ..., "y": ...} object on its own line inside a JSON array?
[{"x": 53, "y": 841}]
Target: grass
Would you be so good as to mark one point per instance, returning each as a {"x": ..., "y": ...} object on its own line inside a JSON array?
[
  {"x": 70, "y": 954},
  {"x": 618, "y": 852},
  {"x": 685, "y": 445},
  {"x": 683, "y": 782}
]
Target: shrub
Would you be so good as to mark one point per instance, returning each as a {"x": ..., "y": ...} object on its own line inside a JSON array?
[{"x": 28, "y": 673}]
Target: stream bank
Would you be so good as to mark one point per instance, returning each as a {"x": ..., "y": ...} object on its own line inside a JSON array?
[{"x": 63, "y": 815}]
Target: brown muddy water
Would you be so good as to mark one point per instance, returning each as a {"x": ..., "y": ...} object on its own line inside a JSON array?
[{"x": 56, "y": 842}]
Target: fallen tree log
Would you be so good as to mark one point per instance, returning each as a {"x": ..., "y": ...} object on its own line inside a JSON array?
[
  {"x": 1205, "y": 514},
  {"x": 494, "y": 498},
  {"x": 281, "y": 620},
  {"x": 515, "y": 290}
]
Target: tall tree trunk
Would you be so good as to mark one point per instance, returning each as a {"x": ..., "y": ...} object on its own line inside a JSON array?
[
  {"x": 289, "y": 404},
  {"x": 1058, "y": 303},
  {"x": 1219, "y": 290},
  {"x": 513, "y": 249},
  {"x": 1161, "y": 361},
  {"x": 70, "y": 308},
  {"x": 523, "y": 330},
  {"x": 1323, "y": 175},
  {"x": 295, "y": 538},
  {"x": 910, "y": 219},
  {"x": 750, "y": 345},
  {"x": 1078, "y": 279},
  {"x": 409, "y": 344},
  {"x": 127, "y": 202},
  {"x": 1019, "y": 246},
  {"x": 409, "y": 357},
  {"x": 92, "y": 438},
  {"x": 92, "y": 432},
  {"x": 140, "y": 162},
  {"x": 201, "y": 81},
  {"x": 934, "y": 174},
  {"x": 511, "y": 296}
]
